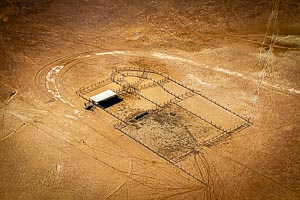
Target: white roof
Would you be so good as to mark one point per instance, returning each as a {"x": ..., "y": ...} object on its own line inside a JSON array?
[{"x": 103, "y": 96}]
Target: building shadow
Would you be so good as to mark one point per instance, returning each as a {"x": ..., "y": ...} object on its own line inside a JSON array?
[{"x": 109, "y": 102}]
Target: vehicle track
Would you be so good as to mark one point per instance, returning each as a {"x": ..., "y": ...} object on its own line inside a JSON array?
[{"x": 69, "y": 62}]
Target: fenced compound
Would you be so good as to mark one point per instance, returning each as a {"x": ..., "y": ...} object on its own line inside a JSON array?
[
  {"x": 130, "y": 72},
  {"x": 119, "y": 126},
  {"x": 132, "y": 86}
]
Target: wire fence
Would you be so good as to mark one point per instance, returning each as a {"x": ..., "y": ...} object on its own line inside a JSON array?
[
  {"x": 120, "y": 127},
  {"x": 119, "y": 77},
  {"x": 130, "y": 71}
]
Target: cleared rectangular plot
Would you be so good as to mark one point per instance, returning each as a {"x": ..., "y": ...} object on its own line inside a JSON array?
[
  {"x": 171, "y": 132},
  {"x": 170, "y": 143},
  {"x": 199, "y": 129},
  {"x": 211, "y": 112},
  {"x": 175, "y": 88},
  {"x": 157, "y": 94}
]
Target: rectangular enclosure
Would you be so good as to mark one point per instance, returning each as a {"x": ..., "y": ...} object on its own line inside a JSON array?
[
  {"x": 211, "y": 112},
  {"x": 164, "y": 115}
]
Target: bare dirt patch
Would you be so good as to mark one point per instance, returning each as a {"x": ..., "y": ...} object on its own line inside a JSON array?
[{"x": 242, "y": 54}]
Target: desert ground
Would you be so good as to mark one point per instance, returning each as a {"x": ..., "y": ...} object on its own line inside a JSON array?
[{"x": 220, "y": 81}]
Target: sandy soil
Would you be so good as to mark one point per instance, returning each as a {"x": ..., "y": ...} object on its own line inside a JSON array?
[{"x": 243, "y": 54}]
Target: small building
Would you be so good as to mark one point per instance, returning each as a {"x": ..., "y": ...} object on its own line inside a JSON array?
[{"x": 105, "y": 99}]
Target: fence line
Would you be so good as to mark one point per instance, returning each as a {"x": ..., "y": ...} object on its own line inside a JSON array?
[
  {"x": 94, "y": 86},
  {"x": 196, "y": 115},
  {"x": 183, "y": 156},
  {"x": 225, "y": 135},
  {"x": 132, "y": 88},
  {"x": 181, "y": 84},
  {"x": 117, "y": 126}
]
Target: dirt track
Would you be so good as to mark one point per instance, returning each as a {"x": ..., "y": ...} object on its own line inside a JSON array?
[{"x": 245, "y": 55}]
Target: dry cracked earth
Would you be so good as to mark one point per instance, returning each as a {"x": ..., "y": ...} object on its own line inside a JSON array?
[{"x": 242, "y": 53}]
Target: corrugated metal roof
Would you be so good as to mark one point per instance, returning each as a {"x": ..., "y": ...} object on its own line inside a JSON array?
[{"x": 103, "y": 96}]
